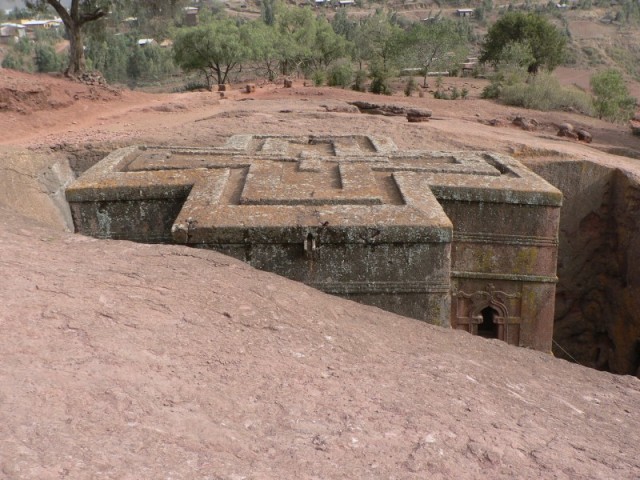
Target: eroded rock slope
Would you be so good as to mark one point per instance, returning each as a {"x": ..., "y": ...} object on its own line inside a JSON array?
[{"x": 122, "y": 360}]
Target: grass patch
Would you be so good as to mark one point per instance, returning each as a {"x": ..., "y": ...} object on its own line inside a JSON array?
[{"x": 544, "y": 92}]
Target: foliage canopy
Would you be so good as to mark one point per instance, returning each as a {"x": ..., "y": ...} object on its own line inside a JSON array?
[
  {"x": 546, "y": 43},
  {"x": 215, "y": 49},
  {"x": 612, "y": 100},
  {"x": 435, "y": 46}
]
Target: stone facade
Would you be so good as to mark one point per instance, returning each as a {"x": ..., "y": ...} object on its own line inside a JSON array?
[{"x": 461, "y": 239}]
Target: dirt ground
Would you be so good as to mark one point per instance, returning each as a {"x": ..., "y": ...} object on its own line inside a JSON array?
[
  {"x": 45, "y": 112},
  {"x": 129, "y": 361}
]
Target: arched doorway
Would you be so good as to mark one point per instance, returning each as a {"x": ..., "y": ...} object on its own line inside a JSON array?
[{"x": 489, "y": 327}]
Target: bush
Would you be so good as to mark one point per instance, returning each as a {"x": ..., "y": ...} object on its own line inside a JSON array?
[
  {"x": 318, "y": 78},
  {"x": 380, "y": 82},
  {"x": 340, "y": 75},
  {"x": 544, "y": 92},
  {"x": 440, "y": 95},
  {"x": 359, "y": 81},
  {"x": 15, "y": 61},
  {"x": 193, "y": 85},
  {"x": 410, "y": 87},
  {"x": 47, "y": 60},
  {"x": 612, "y": 100},
  {"x": 491, "y": 91},
  {"x": 380, "y": 86},
  {"x": 455, "y": 93}
]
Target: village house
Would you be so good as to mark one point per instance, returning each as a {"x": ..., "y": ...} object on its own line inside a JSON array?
[
  {"x": 464, "y": 12},
  {"x": 11, "y": 33}
]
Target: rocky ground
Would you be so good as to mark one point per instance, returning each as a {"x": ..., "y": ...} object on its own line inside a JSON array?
[{"x": 120, "y": 360}]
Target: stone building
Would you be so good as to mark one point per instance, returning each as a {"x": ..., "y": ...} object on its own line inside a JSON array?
[{"x": 460, "y": 239}]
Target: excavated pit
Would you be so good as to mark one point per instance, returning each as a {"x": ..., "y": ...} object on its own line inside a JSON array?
[{"x": 597, "y": 323}]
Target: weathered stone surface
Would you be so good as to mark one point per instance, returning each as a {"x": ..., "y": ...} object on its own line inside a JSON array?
[
  {"x": 584, "y": 135},
  {"x": 415, "y": 115},
  {"x": 528, "y": 124},
  {"x": 340, "y": 108},
  {"x": 129, "y": 361},
  {"x": 392, "y": 110},
  {"x": 34, "y": 184},
  {"x": 352, "y": 216}
]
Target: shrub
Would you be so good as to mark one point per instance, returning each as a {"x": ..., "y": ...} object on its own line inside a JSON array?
[
  {"x": 340, "y": 75},
  {"x": 464, "y": 93},
  {"x": 455, "y": 93},
  {"x": 440, "y": 95},
  {"x": 359, "y": 81},
  {"x": 47, "y": 60},
  {"x": 410, "y": 87},
  {"x": 380, "y": 82},
  {"x": 491, "y": 91},
  {"x": 544, "y": 92},
  {"x": 380, "y": 86},
  {"x": 193, "y": 85},
  {"x": 612, "y": 100},
  {"x": 318, "y": 78},
  {"x": 15, "y": 61}
]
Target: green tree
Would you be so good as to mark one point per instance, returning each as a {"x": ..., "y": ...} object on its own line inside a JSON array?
[
  {"x": 343, "y": 25},
  {"x": 297, "y": 30},
  {"x": 329, "y": 46},
  {"x": 510, "y": 69},
  {"x": 156, "y": 17},
  {"x": 378, "y": 42},
  {"x": 612, "y": 100},
  {"x": 215, "y": 49},
  {"x": 268, "y": 11},
  {"x": 110, "y": 57},
  {"x": 435, "y": 46},
  {"x": 263, "y": 41},
  {"x": 546, "y": 42},
  {"x": 75, "y": 17}
]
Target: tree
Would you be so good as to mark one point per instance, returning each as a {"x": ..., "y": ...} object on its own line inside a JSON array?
[
  {"x": 546, "y": 42},
  {"x": 263, "y": 41},
  {"x": 612, "y": 99},
  {"x": 377, "y": 41},
  {"x": 268, "y": 12},
  {"x": 435, "y": 46},
  {"x": 329, "y": 46},
  {"x": 214, "y": 49},
  {"x": 110, "y": 57},
  {"x": 74, "y": 18},
  {"x": 297, "y": 30},
  {"x": 156, "y": 17}
]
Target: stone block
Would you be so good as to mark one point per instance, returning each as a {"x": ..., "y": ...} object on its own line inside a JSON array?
[{"x": 467, "y": 239}]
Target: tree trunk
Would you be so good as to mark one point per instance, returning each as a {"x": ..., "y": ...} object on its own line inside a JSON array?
[
  {"x": 76, "y": 51},
  {"x": 74, "y": 20}
]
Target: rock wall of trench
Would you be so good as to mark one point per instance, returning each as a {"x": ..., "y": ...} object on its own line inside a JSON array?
[
  {"x": 597, "y": 320},
  {"x": 33, "y": 184}
]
